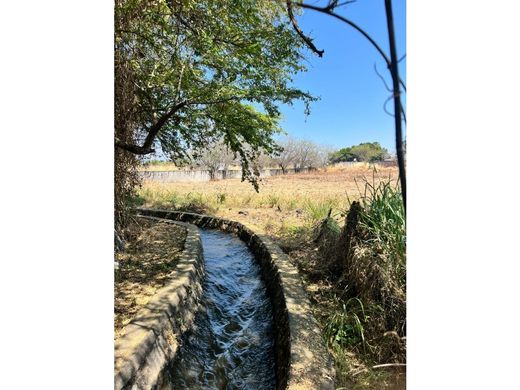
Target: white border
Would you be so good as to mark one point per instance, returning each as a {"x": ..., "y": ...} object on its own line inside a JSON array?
[{"x": 56, "y": 91}]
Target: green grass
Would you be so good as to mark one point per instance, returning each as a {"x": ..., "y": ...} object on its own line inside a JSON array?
[
  {"x": 316, "y": 211},
  {"x": 383, "y": 217},
  {"x": 345, "y": 328}
]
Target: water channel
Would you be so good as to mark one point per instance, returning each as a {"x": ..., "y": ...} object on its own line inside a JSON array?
[{"x": 230, "y": 346}]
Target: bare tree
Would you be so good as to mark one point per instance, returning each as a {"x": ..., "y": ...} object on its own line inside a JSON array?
[
  {"x": 300, "y": 154},
  {"x": 264, "y": 161},
  {"x": 305, "y": 154},
  {"x": 323, "y": 156},
  {"x": 216, "y": 157},
  {"x": 287, "y": 156}
]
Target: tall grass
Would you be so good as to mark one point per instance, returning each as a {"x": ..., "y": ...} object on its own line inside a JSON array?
[
  {"x": 384, "y": 219},
  {"x": 317, "y": 211}
]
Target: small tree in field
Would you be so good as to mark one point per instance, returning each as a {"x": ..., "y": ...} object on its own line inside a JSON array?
[
  {"x": 287, "y": 156},
  {"x": 215, "y": 158}
]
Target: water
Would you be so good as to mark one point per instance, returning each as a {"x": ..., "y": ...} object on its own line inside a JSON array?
[{"x": 231, "y": 343}]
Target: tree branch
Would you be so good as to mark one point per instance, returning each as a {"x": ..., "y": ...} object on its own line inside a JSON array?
[
  {"x": 223, "y": 100},
  {"x": 325, "y": 10},
  {"x": 397, "y": 100},
  {"x": 305, "y": 38},
  {"x": 135, "y": 149},
  {"x": 334, "y": 4},
  {"x": 389, "y": 113},
  {"x": 146, "y": 148},
  {"x": 382, "y": 78},
  {"x": 178, "y": 93}
]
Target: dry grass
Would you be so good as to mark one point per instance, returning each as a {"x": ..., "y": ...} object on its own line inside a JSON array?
[
  {"x": 144, "y": 267},
  {"x": 293, "y": 200}
]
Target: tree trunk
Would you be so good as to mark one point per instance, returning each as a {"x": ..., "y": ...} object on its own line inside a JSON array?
[
  {"x": 348, "y": 233},
  {"x": 397, "y": 99}
]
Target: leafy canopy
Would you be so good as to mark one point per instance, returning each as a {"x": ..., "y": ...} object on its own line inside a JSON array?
[
  {"x": 195, "y": 71},
  {"x": 368, "y": 151}
]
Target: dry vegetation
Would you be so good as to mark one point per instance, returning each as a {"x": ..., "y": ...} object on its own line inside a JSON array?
[
  {"x": 283, "y": 201},
  {"x": 360, "y": 327},
  {"x": 144, "y": 267}
]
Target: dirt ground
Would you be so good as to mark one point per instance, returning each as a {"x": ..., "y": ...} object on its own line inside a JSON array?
[{"x": 144, "y": 267}]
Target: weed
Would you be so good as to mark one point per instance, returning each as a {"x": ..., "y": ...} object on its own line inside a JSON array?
[
  {"x": 137, "y": 201},
  {"x": 291, "y": 204},
  {"x": 317, "y": 211},
  {"x": 345, "y": 328},
  {"x": 273, "y": 200},
  {"x": 221, "y": 197},
  {"x": 246, "y": 200}
]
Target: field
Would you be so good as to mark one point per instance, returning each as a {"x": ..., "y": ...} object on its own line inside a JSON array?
[{"x": 282, "y": 201}]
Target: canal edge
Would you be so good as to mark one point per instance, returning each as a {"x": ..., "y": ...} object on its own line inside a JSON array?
[{"x": 151, "y": 339}]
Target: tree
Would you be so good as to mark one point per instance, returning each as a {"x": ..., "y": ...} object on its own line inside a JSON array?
[
  {"x": 300, "y": 153},
  {"x": 368, "y": 151},
  {"x": 286, "y": 155},
  {"x": 188, "y": 72},
  {"x": 309, "y": 154},
  {"x": 305, "y": 154},
  {"x": 324, "y": 155},
  {"x": 343, "y": 154},
  {"x": 198, "y": 67},
  {"x": 215, "y": 158},
  {"x": 264, "y": 161}
]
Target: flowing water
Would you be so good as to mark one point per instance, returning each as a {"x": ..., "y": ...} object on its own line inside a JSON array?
[{"x": 231, "y": 344}]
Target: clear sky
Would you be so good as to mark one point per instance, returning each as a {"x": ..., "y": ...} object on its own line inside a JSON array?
[{"x": 352, "y": 95}]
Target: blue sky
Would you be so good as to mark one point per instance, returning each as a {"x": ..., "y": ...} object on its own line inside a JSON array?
[{"x": 352, "y": 95}]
